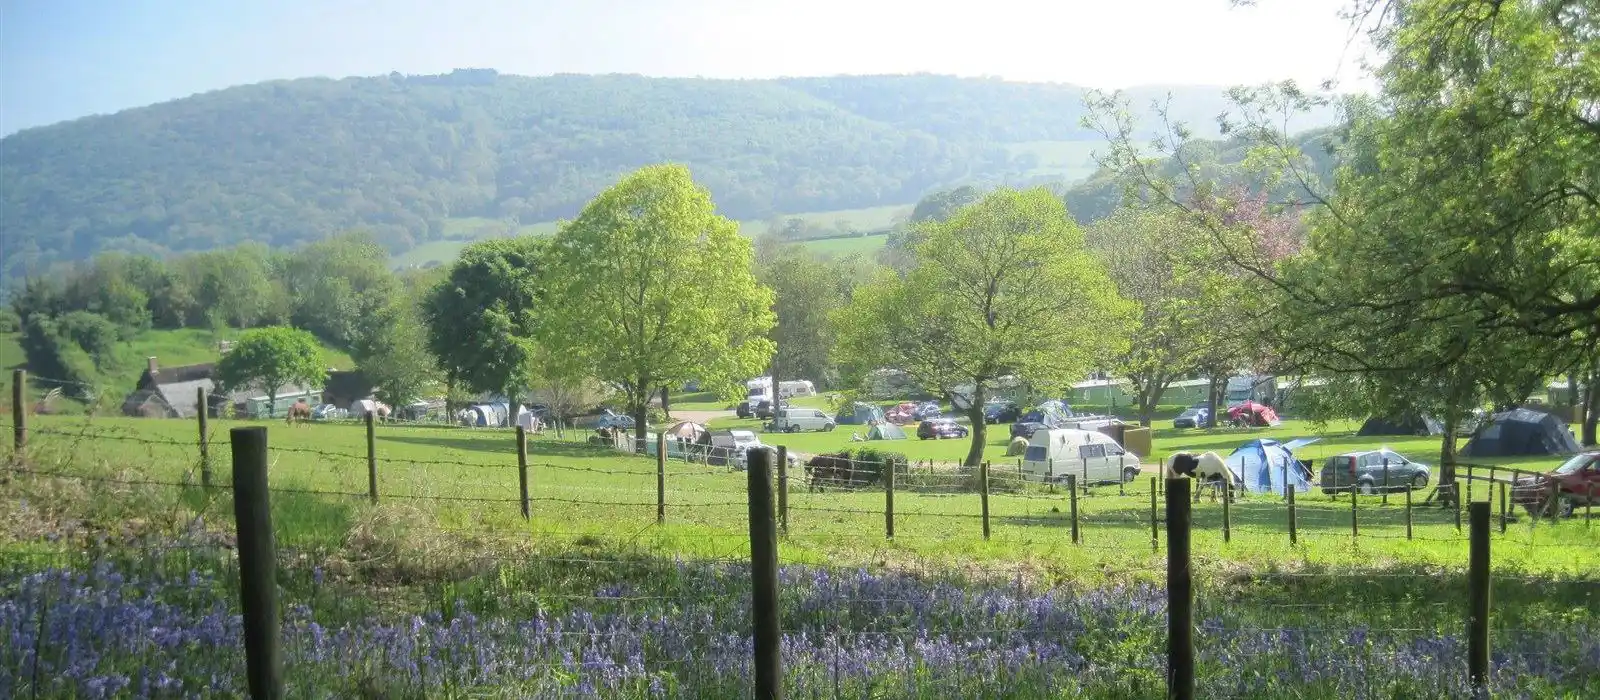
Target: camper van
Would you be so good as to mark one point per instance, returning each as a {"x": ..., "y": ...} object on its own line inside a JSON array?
[
  {"x": 1088, "y": 454},
  {"x": 798, "y": 387},
  {"x": 1258, "y": 388}
]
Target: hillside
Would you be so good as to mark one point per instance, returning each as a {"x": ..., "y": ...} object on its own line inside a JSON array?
[{"x": 288, "y": 162}]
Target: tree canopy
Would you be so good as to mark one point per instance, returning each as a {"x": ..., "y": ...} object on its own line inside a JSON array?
[
  {"x": 270, "y": 358},
  {"x": 1005, "y": 286},
  {"x": 481, "y": 318},
  {"x": 651, "y": 288}
]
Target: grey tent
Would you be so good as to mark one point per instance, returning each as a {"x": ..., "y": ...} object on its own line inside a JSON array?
[
  {"x": 1521, "y": 431},
  {"x": 1412, "y": 424},
  {"x": 886, "y": 431},
  {"x": 859, "y": 414}
]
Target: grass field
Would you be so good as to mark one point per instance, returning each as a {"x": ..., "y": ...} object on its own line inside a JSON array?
[
  {"x": 461, "y": 231},
  {"x": 442, "y": 589}
]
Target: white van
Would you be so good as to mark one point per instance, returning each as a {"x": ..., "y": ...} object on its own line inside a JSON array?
[
  {"x": 1053, "y": 454},
  {"x": 794, "y": 420}
]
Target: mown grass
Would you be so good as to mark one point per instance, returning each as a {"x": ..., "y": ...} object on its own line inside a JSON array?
[{"x": 469, "y": 477}]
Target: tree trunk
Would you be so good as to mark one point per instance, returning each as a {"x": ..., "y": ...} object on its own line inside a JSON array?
[
  {"x": 639, "y": 407},
  {"x": 1149, "y": 398},
  {"x": 980, "y": 430},
  {"x": 665, "y": 410},
  {"x": 1591, "y": 407},
  {"x": 1212, "y": 392},
  {"x": 1447, "y": 457}
]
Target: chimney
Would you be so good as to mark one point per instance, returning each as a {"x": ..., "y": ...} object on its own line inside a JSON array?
[{"x": 150, "y": 363}]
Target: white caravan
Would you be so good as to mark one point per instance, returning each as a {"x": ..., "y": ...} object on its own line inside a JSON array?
[
  {"x": 1087, "y": 454},
  {"x": 798, "y": 387}
]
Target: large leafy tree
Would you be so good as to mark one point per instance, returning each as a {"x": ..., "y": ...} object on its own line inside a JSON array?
[
  {"x": 269, "y": 358},
  {"x": 391, "y": 350},
  {"x": 337, "y": 284},
  {"x": 652, "y": 288},
  {"x": 808, "y": 290},
  {"x": 480, "y": 319},
  {"x": 1005, "y": 286}
]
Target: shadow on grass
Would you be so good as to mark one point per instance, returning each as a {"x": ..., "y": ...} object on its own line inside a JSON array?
[{"x": 503, "y": 443}]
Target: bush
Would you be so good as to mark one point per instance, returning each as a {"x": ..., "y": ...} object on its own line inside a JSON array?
[
  {"x": 874, "y": 460},
  {"x": 654, "y": 415}
]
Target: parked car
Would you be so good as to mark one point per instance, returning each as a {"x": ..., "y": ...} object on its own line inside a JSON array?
[
  {"x": 1576, "y": 483},
  {"x": 745, "y": 409},
  {"x": 731, "y": 448},
  {"x": 329, "y": 411},
  {"x": 793, "y": 420},
  {"x": 1047, "y": 415},
  {"x": 1365, "y": 471},
  {"x": 939, "y": 428},
  {"x": 927, "y": 410},
  {"x": 764, "y": 409},
  {"x": 1001, "y": 411},
  {"x": 612, "y": 419},
  {"x": 903, "y": 413},
  {"x": 1193, "y": 417}
]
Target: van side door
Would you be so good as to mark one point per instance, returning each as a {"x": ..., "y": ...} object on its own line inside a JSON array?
[{"x": 1091, "y": 466}]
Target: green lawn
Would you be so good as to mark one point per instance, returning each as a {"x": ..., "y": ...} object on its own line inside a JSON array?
[{"x": 465, "y": 476}]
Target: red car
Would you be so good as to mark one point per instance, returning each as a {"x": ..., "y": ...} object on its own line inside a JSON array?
[
  {"x": 1575, "y": 483},
  {"x": 902, "y": 414}
]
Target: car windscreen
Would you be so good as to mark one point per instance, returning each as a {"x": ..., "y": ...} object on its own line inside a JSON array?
[{"x": 1572, "y": 466}]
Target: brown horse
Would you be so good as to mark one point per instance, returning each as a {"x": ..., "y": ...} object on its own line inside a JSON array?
[{"x": 300, "y": 411}]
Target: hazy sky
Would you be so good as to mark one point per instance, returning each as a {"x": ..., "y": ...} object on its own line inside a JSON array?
[{"x": 61, "y": 59}]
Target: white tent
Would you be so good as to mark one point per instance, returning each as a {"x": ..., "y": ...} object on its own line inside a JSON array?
[
  {"x": 526, "y": 420},
  {"x": 361, "y": 407}
]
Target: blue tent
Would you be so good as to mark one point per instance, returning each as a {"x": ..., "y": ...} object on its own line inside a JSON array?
[{"x": 1261, "y": 466}]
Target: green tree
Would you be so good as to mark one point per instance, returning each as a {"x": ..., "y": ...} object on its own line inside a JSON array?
[
  {"x": 808, "y": 290},
  {"x": 270, "y": 358},
  {"x": 391, "y": 350},
  {"x": 1005, "y": 286},
  {"x": 652, "y": 288},
  {"x": 480, "y": 320},
  {"x": 334, "y": 284}
]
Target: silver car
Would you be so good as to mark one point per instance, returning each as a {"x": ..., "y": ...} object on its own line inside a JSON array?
[{"x": 1366, "y": 471}]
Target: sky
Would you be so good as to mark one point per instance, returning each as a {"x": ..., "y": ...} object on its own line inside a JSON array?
[{"x": 63, "y": 59}]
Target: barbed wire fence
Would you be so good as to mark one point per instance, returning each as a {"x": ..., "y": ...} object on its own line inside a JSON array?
[{"x": 603, "y": 614}]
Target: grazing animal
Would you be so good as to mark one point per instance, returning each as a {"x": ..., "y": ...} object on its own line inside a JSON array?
[
  {"x": 838, "y": 470},
  {"x": 300, "y": 411},
  {"x": 1207, "y": 467}
]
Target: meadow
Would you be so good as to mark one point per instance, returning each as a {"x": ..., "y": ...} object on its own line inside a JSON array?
[{"x": 442, "y": 588}]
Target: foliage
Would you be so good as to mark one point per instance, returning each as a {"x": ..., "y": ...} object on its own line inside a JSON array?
[
  {"x": 391, "y": 351},
  {"x": 270, "y": 358},
  {"x": 10, "y": 322},
  {"x": 335, "y": 284},
  {"x": 650, "y": 287},
  {"x": 480, "y": 319},
  {"x": 807, "y": 290},
  {"x": 1005, "y": 286}
]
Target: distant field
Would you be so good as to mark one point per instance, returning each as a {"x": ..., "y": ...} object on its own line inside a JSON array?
[
  {"x": 459, "y": 232},
  {"x": 847, "y": 246},
  {"x": 1071, "y": 160}
]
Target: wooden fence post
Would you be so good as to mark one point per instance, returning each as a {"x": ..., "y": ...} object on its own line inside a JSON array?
[
  {"x": 522, "y": 470},
  {"x": 1072, "y": 498},
  {"x": 783, "y": 488},
  {"x": 983, "y": 495},
  {"x": 205, "y": 446},
  {"x": 766, "y": 635},
  {"x": 661, "y": 477},
  {"x": 372, "y": 461},
  {"x": 1478, "y": 600},
  {"x": 1355, "y": 529},
  {"x": 1502, "y": 508},
  {"x": 1385, "y": 481},
  {"x": 1180, "y": 594},
  {"x": 1155, "y": 536},
  {"x": 258, "y": 587},
  {"x": 19, "y": 412},
  {"x": 888, "y": 499},
  {"x": 1408, "y": 511},
  {"x": 1294, "y": 536},
  {"x": 1227, "y": 519}
]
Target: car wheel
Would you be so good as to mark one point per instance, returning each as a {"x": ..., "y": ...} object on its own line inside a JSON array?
[
  {"x": 1367, "y": 489},
  {"x": 792, "y": 429},
  {"x": 828, "y": 427},
  {"x": 1419, "y": 482},
  {"x": 1130, "y": 474}
]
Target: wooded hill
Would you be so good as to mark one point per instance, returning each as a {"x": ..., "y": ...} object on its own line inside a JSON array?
[{"x": 288, "y": 162}]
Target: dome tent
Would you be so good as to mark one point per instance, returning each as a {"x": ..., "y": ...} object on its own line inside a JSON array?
[
  {"x": 1522, "y": 431},
  {"x": 1409, "y": 424},
  {"x": 1261, "y": 466},
  {"x": 886, "y": 431}
]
